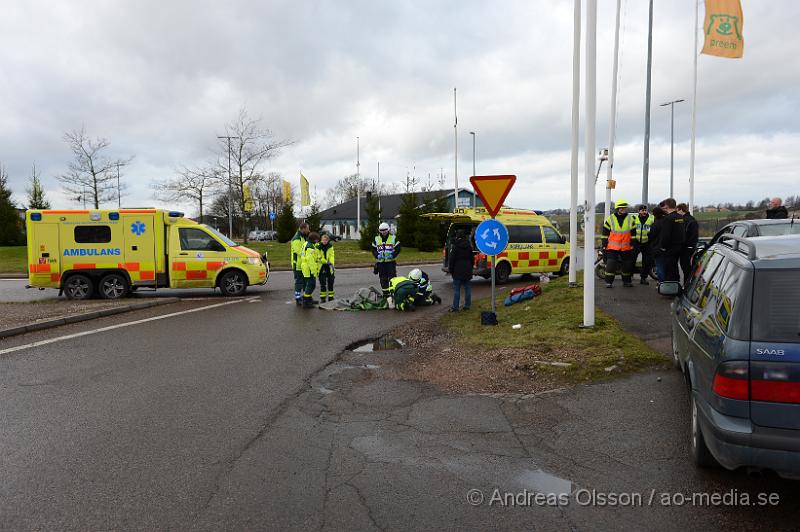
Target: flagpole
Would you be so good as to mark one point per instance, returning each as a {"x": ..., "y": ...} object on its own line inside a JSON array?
[
  {"x": 358, "y": 187},
  {"x": 694, "y": 111},
  {"x": 646, "y": 169},
  {"x": 612, "y": 123},
  {"x": 455, "y": 133},
  {"x": 590, "y": 78},
  {"x": 573, "y": 196}
]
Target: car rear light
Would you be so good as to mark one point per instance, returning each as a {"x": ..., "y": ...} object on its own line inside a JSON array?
[
  {"x": 775, "y": 382},
  {"x": 731, "y": 380},
  {"x": 480, "y": 259}
]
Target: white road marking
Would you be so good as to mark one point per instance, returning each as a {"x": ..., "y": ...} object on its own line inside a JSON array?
[{"x": 112, "y": 327}]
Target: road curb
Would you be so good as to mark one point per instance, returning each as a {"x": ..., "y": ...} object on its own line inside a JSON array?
[{"x": 77, "y": 318}]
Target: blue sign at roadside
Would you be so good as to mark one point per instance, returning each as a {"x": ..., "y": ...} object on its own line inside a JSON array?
[
  {"x": 272, "y": 216},
  {"x": 491, "y": 237}
]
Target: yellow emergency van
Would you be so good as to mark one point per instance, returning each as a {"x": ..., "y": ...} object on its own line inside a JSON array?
[
  {"x": 534, "y": 244},
  {"x": 110, "y": 253}
]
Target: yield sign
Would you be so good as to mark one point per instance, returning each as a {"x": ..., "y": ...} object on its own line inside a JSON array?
[{"x": 493, "y": 190}]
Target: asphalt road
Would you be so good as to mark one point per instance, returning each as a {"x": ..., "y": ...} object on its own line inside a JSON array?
[{"x": 253, "y": 414}]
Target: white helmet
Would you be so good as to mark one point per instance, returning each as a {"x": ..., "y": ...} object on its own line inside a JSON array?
[
  {"x": 415, "y": 274},
  {"x": 383, "y": 227}
]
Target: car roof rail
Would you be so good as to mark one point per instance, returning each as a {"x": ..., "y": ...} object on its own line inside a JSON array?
[{"x": 736, "y": 246}]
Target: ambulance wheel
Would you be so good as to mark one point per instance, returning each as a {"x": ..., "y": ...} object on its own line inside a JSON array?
[
  {"x": 233, "y": 283},
  {"x": 113, "y": 286},
  {"x": 502, "y": 272},
  {"x": 564, "y": 267},
  {"x": 78, "y": 286}
]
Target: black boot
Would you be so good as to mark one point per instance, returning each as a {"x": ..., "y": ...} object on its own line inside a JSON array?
[
  {"x": 308, "y": 302},
  {"x": 299, "y": 302},
  {"x": 436, "y": 299}
]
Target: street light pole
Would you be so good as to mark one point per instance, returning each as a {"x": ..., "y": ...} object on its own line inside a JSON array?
[
  {"x": 358, "y": 187},
  {"x": 230, "y": 187},
  {"x": 646, "y": 172},
  {"x": 119, "y": 190},
  {"x": 474, "y": 199},
  {"x": 671, "y": 145}
]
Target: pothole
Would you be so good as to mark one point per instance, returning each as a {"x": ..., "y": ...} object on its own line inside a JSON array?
[{"x": 384, "y": 343}]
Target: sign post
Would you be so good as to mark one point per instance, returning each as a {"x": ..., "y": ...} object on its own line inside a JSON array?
[{"x": 491, "y": 236}]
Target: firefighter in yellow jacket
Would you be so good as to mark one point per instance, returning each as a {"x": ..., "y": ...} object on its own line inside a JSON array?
[
  {"x": 617, "y": 237},
  {"x": 327, "y": 269},
  {"x": 310, "y": 267}
]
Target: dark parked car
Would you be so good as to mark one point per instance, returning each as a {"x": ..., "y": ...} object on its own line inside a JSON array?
[{"x": 736, "y": 337}]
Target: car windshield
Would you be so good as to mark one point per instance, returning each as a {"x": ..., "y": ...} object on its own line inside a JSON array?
[
  {"x": 228, "y": 242},
  {"x": 775, "y": 316},
  {"x": 779, "y": 229}
]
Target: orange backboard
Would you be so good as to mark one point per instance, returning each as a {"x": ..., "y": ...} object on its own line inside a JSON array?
[{"x": 493, "y": 190}]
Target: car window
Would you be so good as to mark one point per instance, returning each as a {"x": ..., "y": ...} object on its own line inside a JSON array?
[
  {"x": 525, "y": 234},
  {"x": 775, "y": 316},
  {"x": 551, "y": 236},
  {"x": 732, "y": 312},
  {"x": 709, "y": 264},
  {"x": 779, "y": 229},
  {"x": 92, "y": 234},
  {"x": 198, "y": 240},
  {"x": 739, "y": 230}
]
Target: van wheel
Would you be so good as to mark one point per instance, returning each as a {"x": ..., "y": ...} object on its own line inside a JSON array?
[
  {"x": 78, "y": 287},
  {"x": 564, "y": 267},
  {"x": 233, "y": 283},
  {"x": 502, "y": 272},
  {"x": 113, "y": 286},
  {"x": 701, "y": 456}
]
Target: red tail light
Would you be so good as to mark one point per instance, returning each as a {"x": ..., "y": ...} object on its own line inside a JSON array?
[
  {"x": 775, "y": 382},
  {"x": 732, "y": 380}
]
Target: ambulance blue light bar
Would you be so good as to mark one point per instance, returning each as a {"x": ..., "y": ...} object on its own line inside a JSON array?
[
  {"x": 36, "y": 217},
  {"x": 175, "y": 214},
  {"x": 113, "y": 216}
]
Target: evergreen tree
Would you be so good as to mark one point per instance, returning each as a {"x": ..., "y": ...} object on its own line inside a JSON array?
[
  {"x": 407, "y": 220},
  {"x": 286, "y": 224},
  {"x": 313, "y": 219},
  {"x": 36, "y": 195},
  {"x": 426, "y": 233},
  {"x": 10, "y": 227},
  {"x": 370, "y": 230}
]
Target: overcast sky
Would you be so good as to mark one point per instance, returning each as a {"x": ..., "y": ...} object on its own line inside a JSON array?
[{"x": 160, "y": 80}]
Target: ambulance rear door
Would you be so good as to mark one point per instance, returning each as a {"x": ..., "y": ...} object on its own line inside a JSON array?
[
  {"x": 139, "y": 251},
  {"x": 44, "y": 254}
]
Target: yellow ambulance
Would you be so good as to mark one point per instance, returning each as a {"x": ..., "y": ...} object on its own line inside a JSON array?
[
  {"x": 110, "y": 253},
  {"x": 534, "y": 244}
]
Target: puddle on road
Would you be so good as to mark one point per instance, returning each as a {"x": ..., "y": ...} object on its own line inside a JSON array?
[
  {"x": 542, "y": 482},
  {"x": 384, "y": 343}
]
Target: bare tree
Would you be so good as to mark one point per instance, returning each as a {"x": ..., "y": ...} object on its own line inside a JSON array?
[
  {"x": 189, "y": 184},
  {"x": 91, "y": 171},
  {"x": 251, "y": 146}
]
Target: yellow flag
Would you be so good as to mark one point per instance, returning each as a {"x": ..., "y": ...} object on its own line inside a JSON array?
[
  {"x": 287, "y": 191},
  {"x": 248, "y": 199},
  {"x": 722, "y": 30},
  {"x": 305, "y": 197}
]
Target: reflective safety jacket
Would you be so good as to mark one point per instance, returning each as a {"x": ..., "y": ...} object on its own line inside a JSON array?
[
  {"x": 424, "y": 287},
  {"x": 618, "y": 234},
  {"x": 386, "y": 250},
  {"x": 327, "y": 256},
  {"x": 403, "y": 290},
  {"x": 297, "y": 247},
  {"x": 309, "y": 260},
  {"x": 641, "y": 228}
]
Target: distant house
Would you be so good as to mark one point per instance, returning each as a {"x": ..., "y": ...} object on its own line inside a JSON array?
[{"x": 341, "y": 219}]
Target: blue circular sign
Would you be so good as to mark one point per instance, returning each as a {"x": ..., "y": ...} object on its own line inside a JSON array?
[{"x": 491, "y": 237}]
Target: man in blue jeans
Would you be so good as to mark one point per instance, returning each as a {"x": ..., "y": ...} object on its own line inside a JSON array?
[{"x": 459, "y": 264}]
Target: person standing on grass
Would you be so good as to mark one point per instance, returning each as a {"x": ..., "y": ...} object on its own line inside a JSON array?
[
  {"x": 692, "y": 237},
  {"x": 459, "y": 264}
]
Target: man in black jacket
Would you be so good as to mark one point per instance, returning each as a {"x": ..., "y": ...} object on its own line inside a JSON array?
[
  {"x": 692, "y": 236},
  {"x": 776, "y": 210},
  {"x": 671, "y": 240}
]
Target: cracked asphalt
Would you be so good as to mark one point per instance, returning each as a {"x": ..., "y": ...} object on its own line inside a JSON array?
[{"x": 261, "y": 416}]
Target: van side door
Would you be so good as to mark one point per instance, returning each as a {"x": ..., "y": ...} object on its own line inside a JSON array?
[
  {"x": 139, "y": 251},
  {"x": 525, "y": 245},
  {"x": 44, "y": 254},
  {"x": 195, "y": 257},
  {"x": 556, "y": 247}
]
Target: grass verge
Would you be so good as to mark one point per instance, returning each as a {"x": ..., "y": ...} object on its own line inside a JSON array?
[
  {"x": 13, "y": 259},
  {"x": 550, "y": 342}
]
